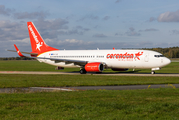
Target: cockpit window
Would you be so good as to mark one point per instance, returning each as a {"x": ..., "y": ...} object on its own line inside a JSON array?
[{"x": 158, "y": 56}]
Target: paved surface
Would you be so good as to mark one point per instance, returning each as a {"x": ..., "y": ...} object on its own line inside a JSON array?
[
  {"x": 124, "y": 87},
  {"x": 77, "y": 73},
  {"x": 32, "y": 89},
  {"x": 49, "y": 89}
]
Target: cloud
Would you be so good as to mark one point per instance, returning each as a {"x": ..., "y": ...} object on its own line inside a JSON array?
[
  {"x": 89, "y": 17},
  {"x": 55, "y": 24},
  {"x": 117, "y": 1},
  {"x": 174, "y": 32},
  {"x": 72, "y": 41},
  {"x": 49, "y": 29},
  {"x": 99, "y": 35},
  {"x": 148, "y": 30},
  {"x": 77, "y": 30},
  {"x": 33, "y": 15},
  {"x": 132, "y": 32},
  {"x": 5, "y": 11},
  {"x": 152, "y": 19},
  {"x": 118, "y": 34},
  {"x": 53, "y": 28},
  {"x": 17, "y": 31},
  {"x": 12, "y": 31},
  {"x": 22, "y": 15},
  {"x": 81, "y": 28},
  {"x": 106, "y": 18},
  {"x": 74, "y": 44},
  {"x": 169, "y": 17}
]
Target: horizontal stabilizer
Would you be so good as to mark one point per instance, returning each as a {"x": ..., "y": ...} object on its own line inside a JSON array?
[
  {"x": 20, "y": 53},
  {"x": 24, "y": 52}
]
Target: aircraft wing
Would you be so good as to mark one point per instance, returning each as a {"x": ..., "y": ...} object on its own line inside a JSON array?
[
  {"x": 56, "y": 60},
  {"x": 67, "y": 61}
]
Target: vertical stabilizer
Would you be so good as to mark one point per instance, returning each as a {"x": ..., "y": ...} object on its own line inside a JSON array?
[{"x": 37, "y": 43}]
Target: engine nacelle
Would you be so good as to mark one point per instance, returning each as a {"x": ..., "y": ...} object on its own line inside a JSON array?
[
  {"x": 94, "y": 67},
  {"x": 119, "y": 69}
]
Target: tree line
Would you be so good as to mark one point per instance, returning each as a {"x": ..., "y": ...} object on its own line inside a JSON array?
[
  {"x": 172, "y": 52},
  {"x": 17, "y": 58}
]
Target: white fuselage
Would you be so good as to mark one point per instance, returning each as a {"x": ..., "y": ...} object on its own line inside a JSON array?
[{"x": 111, "y": 58}]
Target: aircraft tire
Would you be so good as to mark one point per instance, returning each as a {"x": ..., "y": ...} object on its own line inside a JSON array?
[
  {"x": 153, "y": 72},
  {"x": 82, "y": 71}
]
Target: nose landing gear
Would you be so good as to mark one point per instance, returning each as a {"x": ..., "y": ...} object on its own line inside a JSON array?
[{"x": 152, "y": 72}]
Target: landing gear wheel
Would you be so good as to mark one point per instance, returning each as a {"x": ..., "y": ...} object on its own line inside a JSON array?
[
  {"x": 153, "y": 72},
  {"x": 82, "y": 71}
]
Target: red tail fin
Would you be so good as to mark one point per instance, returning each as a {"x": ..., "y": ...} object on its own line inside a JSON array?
[{"x": 37, "y": 43}]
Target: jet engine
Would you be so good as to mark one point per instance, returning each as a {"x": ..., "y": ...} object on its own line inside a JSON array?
[{"x": 94, "y": 67}]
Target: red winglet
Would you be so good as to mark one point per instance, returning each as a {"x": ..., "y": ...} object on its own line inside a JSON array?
[{"x": 19, "y": 53}]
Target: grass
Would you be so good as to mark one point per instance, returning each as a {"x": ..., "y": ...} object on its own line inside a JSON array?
[
  {"x": 8, "y": 81},
  {"x": 161, "y": 103},
  {"x": 25, "y": 65},
  {"x": 97, "y": 105},
  {"x": 33, "y": 65}
]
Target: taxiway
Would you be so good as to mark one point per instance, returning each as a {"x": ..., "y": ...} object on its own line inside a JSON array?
[
  {"x": 77, "y": 73},
  {"x": 50, "y": 89}
]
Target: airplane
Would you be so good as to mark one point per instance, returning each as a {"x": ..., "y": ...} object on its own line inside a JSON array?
[{"x": 92, "y": 60}]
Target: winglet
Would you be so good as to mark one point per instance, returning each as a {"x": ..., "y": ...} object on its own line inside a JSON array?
[{"x": 18, "y": 51}]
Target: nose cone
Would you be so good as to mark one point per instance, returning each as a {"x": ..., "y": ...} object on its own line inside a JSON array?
[{"x": 167, "y": 61}]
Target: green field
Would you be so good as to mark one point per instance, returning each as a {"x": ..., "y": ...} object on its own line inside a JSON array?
[
  {"x": 33, "y": 65},
  {"x": 161, "y": 103},
  {"x": 147, "y": 104},
  {"x": 79, "y": 80},
  {"x": 7, "y": 80}
]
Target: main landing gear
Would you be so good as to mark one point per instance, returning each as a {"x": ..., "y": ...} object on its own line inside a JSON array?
[{"x": 82, "y": 71}]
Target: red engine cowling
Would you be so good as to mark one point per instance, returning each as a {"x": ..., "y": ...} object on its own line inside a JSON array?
[
  {"x": 94, "y": 67},
  {"x": 119, "y": 69}
]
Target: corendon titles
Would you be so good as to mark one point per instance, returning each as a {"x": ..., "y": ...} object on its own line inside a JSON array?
[
  {"x": 38, "y": 44},
  {"x": 33, "y": 34},
  {"x": 125, "y": 57}
]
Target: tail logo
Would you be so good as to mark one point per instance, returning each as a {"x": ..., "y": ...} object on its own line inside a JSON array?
[{"x": 38, "y": 44}]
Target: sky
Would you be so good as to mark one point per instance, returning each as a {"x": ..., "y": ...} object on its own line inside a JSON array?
[{"x": 89, "y": 24}]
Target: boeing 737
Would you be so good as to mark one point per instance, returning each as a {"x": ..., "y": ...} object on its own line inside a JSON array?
[{"x": 92, "y": 60}]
